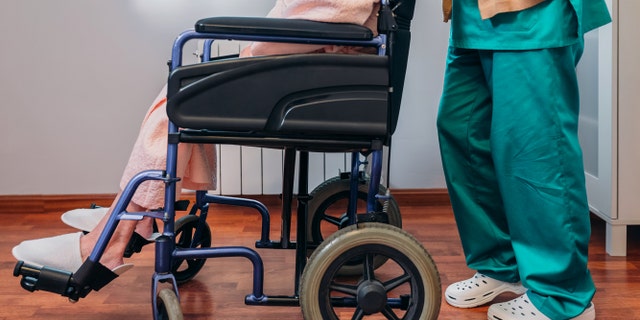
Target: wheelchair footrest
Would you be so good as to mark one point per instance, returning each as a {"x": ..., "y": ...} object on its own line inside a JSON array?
[
  {"x": 50, "y": 280},
  {"x": 44, "y": 278},
  {"x": 90, "y": 276}
]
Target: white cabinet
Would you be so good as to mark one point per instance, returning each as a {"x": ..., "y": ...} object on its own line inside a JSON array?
[{"x": 610, "y": 122}]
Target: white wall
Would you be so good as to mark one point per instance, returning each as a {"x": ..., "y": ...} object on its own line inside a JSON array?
[{"x": 76, "y": 77}]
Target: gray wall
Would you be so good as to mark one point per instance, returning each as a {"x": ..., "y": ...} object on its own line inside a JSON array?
[{"x": 78, "y": 75}]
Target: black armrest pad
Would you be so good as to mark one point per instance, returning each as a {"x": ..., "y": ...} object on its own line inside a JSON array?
[{"x": 259, "y": 26}]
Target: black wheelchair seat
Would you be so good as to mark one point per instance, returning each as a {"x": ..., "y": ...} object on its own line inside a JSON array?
[{"x": 301, "y": 95}]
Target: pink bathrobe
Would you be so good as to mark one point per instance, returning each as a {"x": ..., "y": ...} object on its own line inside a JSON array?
[{"x": 197, "y": 163}]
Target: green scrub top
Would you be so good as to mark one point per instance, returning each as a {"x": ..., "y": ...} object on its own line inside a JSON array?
[{"x": 550, "y": 24}]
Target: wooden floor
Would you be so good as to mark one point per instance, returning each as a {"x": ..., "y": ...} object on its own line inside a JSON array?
[{"x": 218, "y": 291}]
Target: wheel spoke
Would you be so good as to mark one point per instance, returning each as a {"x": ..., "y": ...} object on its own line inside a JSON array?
[
  {"x": 184, "y": 240},
  {"x": 192, "y": 263},
  {"x": 332, "y": 220},
  {"x": 344, "y": 288},
  {"x": 389, "y": 314},
  {"x": 396, "y": 282},
  {"x": 177, "y": 263},
  {"x": 359, "y": 314},
  {"x": 369, "y": 267}
]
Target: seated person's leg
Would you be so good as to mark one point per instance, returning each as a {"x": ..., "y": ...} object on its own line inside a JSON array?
[{"x": 196, "y": 166}]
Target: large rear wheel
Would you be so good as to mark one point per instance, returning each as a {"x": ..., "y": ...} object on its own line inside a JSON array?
[{"x": 406, "y": 287}]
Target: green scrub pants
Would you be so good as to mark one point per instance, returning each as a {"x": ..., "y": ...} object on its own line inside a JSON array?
[{"x": 508, "y": 130}]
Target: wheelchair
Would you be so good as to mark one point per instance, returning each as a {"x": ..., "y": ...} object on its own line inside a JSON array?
[{"x": 321, "y": 103}]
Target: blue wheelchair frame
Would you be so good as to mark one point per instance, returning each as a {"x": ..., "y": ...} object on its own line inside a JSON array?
[{"x": 165, "y": 246}]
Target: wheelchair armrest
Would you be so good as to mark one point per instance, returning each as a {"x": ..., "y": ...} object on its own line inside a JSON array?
[
  {"x": 302, "y": 94},
  {"x": 259, "y": 26}
]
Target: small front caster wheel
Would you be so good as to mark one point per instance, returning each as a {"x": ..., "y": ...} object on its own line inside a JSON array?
[
  {"x": 168, "y": 306},
  {"x": 406, "y": 287},
  {"x": 188, "y": 236}
]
